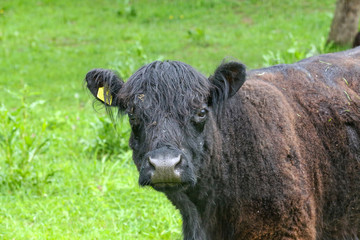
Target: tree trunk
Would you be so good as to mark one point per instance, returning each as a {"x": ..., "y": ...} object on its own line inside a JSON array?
[{"x": 345, "y": 23}]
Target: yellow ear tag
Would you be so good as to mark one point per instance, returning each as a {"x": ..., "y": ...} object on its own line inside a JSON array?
[{"x": 100, "y": 95}]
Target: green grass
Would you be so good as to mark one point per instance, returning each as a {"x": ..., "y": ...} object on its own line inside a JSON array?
[{"x": 65, "y": 172}]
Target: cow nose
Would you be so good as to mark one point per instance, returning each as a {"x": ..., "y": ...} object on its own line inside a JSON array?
[{"x": 166, "y": 170}]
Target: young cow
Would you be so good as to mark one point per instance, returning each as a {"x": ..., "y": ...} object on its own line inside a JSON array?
[{"x": 277, "y": 159}]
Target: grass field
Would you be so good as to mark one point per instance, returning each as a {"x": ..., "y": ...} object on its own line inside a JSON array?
[{"x": 65, "y": 172}]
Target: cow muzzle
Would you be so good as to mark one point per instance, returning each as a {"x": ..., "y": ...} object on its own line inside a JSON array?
[
  {"x": 164, "y": 166},
  {"x": 165, "y": 169}
]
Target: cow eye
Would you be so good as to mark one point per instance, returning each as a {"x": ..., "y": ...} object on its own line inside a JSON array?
[
  {"x": 201, "y": 113},
  {"x": 199, "y": 119},
  {"x": 133, "y": 119},
  {"x": 131, "y": 116},
  {"x": 200, "y": 116}
]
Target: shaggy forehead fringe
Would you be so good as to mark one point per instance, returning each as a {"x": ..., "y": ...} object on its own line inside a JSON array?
[{"x": 171, "y": 87}]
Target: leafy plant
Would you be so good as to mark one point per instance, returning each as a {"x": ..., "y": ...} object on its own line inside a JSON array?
[
  {"x": 126, "y": 9},
  {"x": 21, "y": 142},
  {"x": 109, "y": 140},
  {"x": 129, "y": 60},
  {"x": 296, "y": 52},
  {"x": 198, "y": 36}
]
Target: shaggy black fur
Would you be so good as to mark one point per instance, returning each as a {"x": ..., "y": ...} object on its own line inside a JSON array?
[{"x": 278, "y": 159}]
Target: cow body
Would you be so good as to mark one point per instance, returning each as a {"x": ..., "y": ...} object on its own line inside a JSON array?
[{"x": 280, "y": 159}]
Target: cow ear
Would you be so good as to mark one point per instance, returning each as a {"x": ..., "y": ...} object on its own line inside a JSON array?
[
  {"x": 104, "y": 84},
  {"x": 226, "y": 81}
]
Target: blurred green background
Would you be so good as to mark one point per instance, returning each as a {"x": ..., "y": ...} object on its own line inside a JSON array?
[{"x": 65, "y": 172}]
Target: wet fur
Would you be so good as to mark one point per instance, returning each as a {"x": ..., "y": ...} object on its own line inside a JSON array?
[
  {"x": 291, "y": 159},
  {"x": 278, "y": 160}
]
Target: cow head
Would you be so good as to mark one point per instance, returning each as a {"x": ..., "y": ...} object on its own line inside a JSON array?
[{"x": 172, "y": 110}]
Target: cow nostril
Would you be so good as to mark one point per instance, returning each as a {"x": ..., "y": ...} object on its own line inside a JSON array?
[
  {"x": 178, "y": 164},
  {"x": 151, "y": 163}
]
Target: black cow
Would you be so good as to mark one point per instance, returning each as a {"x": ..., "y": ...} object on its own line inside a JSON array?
[{"x": 277, "y": 159}]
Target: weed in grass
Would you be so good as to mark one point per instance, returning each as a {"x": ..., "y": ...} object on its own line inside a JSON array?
[
  {"x": 128, "y": 61},
  {"x": 108, "y": 140},
  {"x": 21, "y": 142},
  {"x": 296, "y": 52},
  {"x": 126, "y": 9},
  {"x": 198, "y": 36}
]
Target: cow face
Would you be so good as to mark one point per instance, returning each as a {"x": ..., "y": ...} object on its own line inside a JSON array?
[{"x": 172, "y": 110}]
